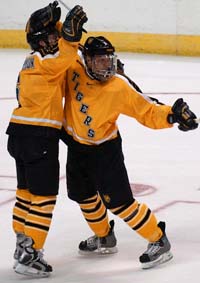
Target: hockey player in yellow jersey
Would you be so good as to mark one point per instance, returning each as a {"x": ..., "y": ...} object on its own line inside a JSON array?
[
  {"x": 96, "y": 175},
  {"x": 34, "y": 130}
]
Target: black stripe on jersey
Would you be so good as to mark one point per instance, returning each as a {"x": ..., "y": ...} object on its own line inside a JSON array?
[
  {"x": 23, "y": 201},
  {"x": 30, "y": 224},
  {"x": 17, "y": 218},
  {"x": 42, "y": 214},
  {"x": 132, "y": 215},
  {"x": 142, "y": 222},
  {"x": 44, "y": 203},
  {"x": 91, "y": 210},
  {"x": 21, "y": 206},
  {"x": 123, "y": 207},
  {"x": 97, "y": 219}
]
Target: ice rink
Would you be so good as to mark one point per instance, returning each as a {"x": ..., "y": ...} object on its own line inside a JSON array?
[{"x": 164, "y": 169}]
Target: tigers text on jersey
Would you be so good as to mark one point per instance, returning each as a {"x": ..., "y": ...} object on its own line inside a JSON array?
[
  {"x": 40, "y": 89},
  {"x": 92, "y": 107}
]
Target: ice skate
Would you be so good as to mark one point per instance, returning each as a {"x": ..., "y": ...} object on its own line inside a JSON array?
[
  {"x": 100, "y": 245},
  {"x": 19, "y": 248},
  {"x": 157, "y": 252},
  {"x": 31, "y": 261}
]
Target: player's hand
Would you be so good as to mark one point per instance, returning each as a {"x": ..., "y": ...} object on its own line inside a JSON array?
[
  {"x": 73, "y": 24},
  {"x": 43, "y": 17},
  {"x": 183, "y": 116}
]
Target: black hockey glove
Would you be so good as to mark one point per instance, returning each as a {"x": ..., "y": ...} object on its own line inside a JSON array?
[
  {"x": 43, "y": 17},
  {"x": 73, "y": 24},
  {"x": 182, "y": 115}
]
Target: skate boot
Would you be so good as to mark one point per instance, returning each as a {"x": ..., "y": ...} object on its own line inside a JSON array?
[
  {"x": 19, "y": 248},
  {"x": 100, "y": 245},
  {"x": 157, "y": 252},
  {"x": 31, "y": 261}
]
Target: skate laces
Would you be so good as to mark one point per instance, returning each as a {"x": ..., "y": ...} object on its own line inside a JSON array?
[
  {"x": 93, "y": 242},
  {"x": 154, "y": 247}
]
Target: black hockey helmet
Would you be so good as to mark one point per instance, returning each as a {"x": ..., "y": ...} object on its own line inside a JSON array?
[
  {"x": 98, "y": 46},
  {"x": 42, "y": 23},
  {"x": 100, "y": 58}
]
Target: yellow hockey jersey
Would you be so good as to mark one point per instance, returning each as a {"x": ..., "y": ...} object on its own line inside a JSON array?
[
  {"x": 40, "y": 89},
  {"x": 92, "y": 107}
]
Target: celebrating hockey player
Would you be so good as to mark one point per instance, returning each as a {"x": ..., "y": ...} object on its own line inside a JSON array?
[
  {"x": 96, "y": 175},
  {"x": 34, "y": 130}
]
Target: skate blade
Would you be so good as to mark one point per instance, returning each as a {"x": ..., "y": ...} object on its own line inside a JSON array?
[
  {"x": 30, "y": 271},
  {"x": 101, "y": 251},
  {"x": 161, "y": 259}
]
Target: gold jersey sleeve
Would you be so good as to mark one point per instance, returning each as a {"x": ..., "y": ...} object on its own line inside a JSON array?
[
  {"x": 92, "y": 108},
  {"x": 41, "y": 85}
]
